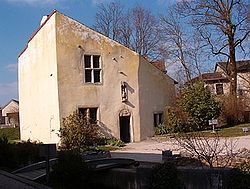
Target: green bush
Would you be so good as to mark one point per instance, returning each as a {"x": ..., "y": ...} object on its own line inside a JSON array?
[
  {"x": 179, "y": 122},
  {"x": 166, "y": 176},
  {"x": 78, "y": 133},
  {"x": 110, "y": 141},
  {"x": 199, "y": 104},
  {"x": 195, "y": 107},
  {"x": 115, "y": 142},
  {"x": 161, "y": 129}
]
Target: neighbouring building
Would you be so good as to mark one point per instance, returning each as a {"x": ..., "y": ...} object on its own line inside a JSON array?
[
  {"x": 219, "y": 83},
  {"x": 10, "y": 114},
  {"x": 67, "y": 66}
]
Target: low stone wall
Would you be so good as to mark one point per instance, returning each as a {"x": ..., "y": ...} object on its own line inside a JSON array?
[
  {"x": 139, "y": 178},
  {"x": 8, "y": 180}
]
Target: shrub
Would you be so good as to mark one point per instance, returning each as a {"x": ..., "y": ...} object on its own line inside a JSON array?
[
  {"x": 232, "y": 112},
  {"x": 195, "y": 107},
  {"x": 166, "y": 176},
  {"x": 161, "y": 129},
  {"x": 115, "y": 142},
  {"x": 78, "y": 132},
  {"x": 110, "y": 141},
  {"x": 198, "y": 102},
  {"x": 178, "y": 121}
]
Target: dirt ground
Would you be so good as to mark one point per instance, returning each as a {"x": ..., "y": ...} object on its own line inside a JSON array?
[{"x": 151, "y": 149}]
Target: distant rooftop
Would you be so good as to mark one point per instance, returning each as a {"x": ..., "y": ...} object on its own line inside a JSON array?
[
  {"x": 242, "y": 66},
  {"x": 210, "y": 77}
]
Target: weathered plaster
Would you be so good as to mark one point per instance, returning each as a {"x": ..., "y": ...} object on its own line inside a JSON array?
[
  {"x": 38, "y": 87},
  {"x": 58, "y": 49}
]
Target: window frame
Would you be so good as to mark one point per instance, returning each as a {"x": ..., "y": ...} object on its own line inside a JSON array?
[
  {"x": 220, "y": 90},
  {"x": 158, "y": 121},
  {"x": 88, "y": 112},
  {"x": 92, "y": 69}
]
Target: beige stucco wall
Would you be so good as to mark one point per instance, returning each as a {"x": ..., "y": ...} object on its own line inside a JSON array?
[
  {"x": 38, "y": 88},
  {"x": 156, "y": 91},
  {"x": 212, "y": 87},
  {"x": 51, "y": 82},
  {"x": 12, "y": 107},
  {"x": 219, "y": 70},
  {"x": 243, "y": 83},
  {"x": 118, "y": 64},
  {"x": 243, "y": 80}
]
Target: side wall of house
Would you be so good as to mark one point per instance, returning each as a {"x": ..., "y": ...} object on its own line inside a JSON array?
[
  {"x": 38, "y": 96},
  {"x": 118, "y": 64},
  {"x": 243, "y": 87},
  {"x": 12, "y": 107},
  {"x": 156, "y": 91},
  {"x": 226, "y": 85}
]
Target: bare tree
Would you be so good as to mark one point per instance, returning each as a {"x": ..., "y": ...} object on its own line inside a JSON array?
[
  {"x": 174, "y": 42},
  {"x": 108, "y": 19},
  {"x": 144, "y": 31},
  {"x": 213, "y": 151},
  {"x": 137, "y": 29},
  {"x": 224, "y": 24},
  {"x": 125, "y": 30},
  {"x": 181, "y": 44}
]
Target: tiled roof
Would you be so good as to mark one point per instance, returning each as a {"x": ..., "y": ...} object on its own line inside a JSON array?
[
  {"x": 242, "y": 65},
  {"x": 210, "y": 77}
]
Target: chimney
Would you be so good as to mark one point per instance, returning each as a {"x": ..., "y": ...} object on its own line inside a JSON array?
[
  {"x": 160, "y": 64},
  {"x": 44, "y": 18}
]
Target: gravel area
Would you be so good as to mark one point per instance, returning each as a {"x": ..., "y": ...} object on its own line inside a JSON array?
[{"x": 151, "y": 149}]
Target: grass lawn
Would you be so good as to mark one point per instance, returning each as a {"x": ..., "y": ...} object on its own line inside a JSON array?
[
  {"x": 11, "y": 133},
  {"x": 230, "y": 131}
]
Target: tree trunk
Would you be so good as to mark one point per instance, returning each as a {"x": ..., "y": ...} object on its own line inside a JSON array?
[{"x": 232, "y": 71}]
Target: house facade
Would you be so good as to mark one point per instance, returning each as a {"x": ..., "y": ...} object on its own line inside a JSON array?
[
  {"x": 68, "y": 67},
  {"x": 219, "y": 84},
  {"x": 10, "y": 114},
  {"x": 243, "y": 76}
]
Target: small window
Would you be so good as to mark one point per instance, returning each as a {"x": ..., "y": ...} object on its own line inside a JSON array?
[
  {"x": 92, "y": 68},
  {"x": 83, "y": 111},
  {"x": 87, "y": 61},
  {"x": 88, "y": 76},
  {"x": 93, "y": 114},
  {"x": 158, "y": 118},
  {"x": 219, "y": 89},
  {"x": 97, "y": 74},
  {"x": 96, "y": 61},
  {"x": 90, "y": 113}
]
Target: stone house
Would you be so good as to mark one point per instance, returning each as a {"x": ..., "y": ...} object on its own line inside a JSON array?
[
  {"x": 66, "y": 66},
  {"x": 10, "y": 114},
  {"x": 219, "y": 84}
]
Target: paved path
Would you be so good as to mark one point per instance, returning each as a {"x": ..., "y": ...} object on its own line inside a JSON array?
[{"x": 151, "y": 149}]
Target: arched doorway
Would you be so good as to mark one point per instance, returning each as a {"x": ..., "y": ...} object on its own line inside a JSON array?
[{"x": 124, "y": 122}]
